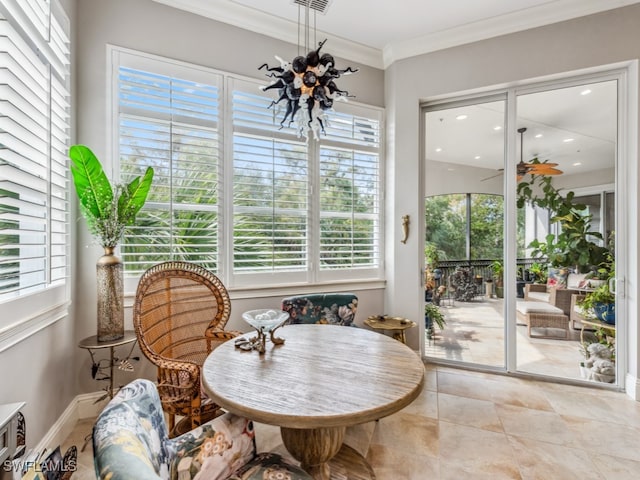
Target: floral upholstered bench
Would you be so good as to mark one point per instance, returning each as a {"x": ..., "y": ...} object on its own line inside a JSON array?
[{"x": 542, "y": 315}]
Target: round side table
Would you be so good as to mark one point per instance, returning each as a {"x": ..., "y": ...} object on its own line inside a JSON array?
[
  {"x": 385, "y": 322},
  {"x": 91, "y": 344}
]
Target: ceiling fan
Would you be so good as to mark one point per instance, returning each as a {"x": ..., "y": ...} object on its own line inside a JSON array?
[{"x": 534, "y": 167}]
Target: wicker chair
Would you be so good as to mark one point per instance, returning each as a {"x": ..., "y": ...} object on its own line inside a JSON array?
[{"x": 179, "y": 316}]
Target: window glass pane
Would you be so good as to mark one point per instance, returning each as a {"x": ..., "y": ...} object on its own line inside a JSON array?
[
  {"x": 487, "y": 223},
  {"x": 349, "y": 196},
  {"x": 170, "y": 117},
  {"x": 171, "y": 124},
  {"x": 34, "y": 140},
  {"x": 270, "y": 204}
]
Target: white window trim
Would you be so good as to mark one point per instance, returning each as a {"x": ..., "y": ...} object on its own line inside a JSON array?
[
  {"x": 27, "y": 320},
  {"x": 278, "y": 282}
]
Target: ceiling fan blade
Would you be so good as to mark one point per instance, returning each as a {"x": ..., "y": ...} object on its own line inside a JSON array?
[
  {"x": 551, "y": 171},
  {"x": 545, "y": 171},
  {"x": 492, "y": 176}
]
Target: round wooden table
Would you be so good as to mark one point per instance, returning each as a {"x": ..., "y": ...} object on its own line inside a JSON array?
[{"x": 321, "y": 380}]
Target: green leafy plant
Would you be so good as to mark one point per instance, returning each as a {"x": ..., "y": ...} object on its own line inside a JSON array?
[
  {"x": 576, "y": 245},
  {"x": 539, "y": 272},
  {"x": 497, "y": 267},
  {"x": 434, "y": 314},
  {"x": 108, "y": 209},
  {"x": 600, "y": 295}
]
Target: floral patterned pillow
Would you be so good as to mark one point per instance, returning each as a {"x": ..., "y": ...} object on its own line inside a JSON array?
[
  {"x": 214, "y": 450},
  {"x": 557, "y": 278},
  {"x": 270, "y": 466}
]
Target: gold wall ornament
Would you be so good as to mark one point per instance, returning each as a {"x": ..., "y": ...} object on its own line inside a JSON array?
[{"x": 405, "y": 228}]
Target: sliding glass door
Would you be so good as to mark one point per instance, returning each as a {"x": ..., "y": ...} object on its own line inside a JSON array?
[
  {"x": 521, "y": 243},
  {"x": 569, "y": 140},
  {"x": 464, "y": 243}
]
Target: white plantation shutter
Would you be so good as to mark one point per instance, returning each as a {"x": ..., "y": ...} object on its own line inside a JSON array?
[
  {"x": 34, "y": 140},
  {"x": 275, "y": 173},
  {"x": 349, "y": 224},
  {"x": 171, "y": 121},
  {"x": 270, "y": 188},
  {"x": 350, "y": 192},
  {"x": 236, "y": 191}
]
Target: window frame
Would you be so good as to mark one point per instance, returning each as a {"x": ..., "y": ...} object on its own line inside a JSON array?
[
  {"x": 312, "y": 276},
  {"x": 37, "y": 308}
]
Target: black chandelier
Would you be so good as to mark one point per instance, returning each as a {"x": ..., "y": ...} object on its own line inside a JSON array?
[{"x": 307, "y": 86}]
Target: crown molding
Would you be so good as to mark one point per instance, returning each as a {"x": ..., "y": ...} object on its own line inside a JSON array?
[
  {"x": 227, "y": 11},
  {"x": 546, "y": 14},
  {"x": 276, "y": 27}
]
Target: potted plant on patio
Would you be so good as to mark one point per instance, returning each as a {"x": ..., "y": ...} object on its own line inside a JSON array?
[
  {"x": 539, "y": 272},
  {"x": 433, "y": 315},
  {"x": 602, "y": 302},
  {"x": 498, "y": 277}
]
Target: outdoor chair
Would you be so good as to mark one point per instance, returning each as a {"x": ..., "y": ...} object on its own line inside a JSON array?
[
  {"x": 179, "y": 316},
  {"x": 130, "y": 441},
  {"x": 325, "y": 308}
]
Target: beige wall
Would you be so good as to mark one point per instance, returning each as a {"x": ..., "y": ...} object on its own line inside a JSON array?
[
  {"x": 583, "y": 43},
  {"x": 41, "y": 369},
  {"x": 155, "y": 28}
]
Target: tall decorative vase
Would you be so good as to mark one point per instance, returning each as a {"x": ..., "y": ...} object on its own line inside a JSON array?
[{"x": 110, "y": 281}]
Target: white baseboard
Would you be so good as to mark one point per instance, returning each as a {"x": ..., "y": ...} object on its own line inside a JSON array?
[
  {"x": 632, "y": 387},
  {"x": 82, "y": 406}
]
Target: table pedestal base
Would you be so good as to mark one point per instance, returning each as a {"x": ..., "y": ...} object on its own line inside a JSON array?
[{"x": 322, "y": 454}]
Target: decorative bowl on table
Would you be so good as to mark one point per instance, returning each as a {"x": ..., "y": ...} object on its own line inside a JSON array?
[{"x": 264, "y": 321}]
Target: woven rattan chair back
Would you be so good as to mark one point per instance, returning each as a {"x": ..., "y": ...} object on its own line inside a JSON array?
[{"x": 177, "y": 304}]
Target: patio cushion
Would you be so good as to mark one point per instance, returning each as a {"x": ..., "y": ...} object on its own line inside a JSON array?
[
  {"x": 536, "y": 307},
  {"x": 538, "y": 296},
  {"x": 557, "y": 277}
]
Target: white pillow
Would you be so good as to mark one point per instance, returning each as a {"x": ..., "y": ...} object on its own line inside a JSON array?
[{"x": 575, "y": 280}]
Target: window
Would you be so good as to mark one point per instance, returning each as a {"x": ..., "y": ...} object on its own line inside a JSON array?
[
  {"x": 465, "y": 226},
  {"x": 170, "y": 120},
  {"x": 34, "y": 63},
  {"x": 236, "y": 191}
]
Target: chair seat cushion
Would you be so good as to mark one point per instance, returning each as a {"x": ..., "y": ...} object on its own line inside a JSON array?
[
  {"x": 214, "y": 450},
  {"x": 269, "y": 466},
  {"x": 536, "y": 307},
  {"x": 539, "y": 296}
]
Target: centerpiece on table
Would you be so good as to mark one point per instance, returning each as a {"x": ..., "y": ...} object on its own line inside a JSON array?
[{"x": 108, "y": 209}]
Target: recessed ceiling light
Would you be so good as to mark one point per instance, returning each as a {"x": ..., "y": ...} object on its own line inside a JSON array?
[
  {"x": 586, "y": 91},
  {"x": 568, "y": 140},
  {"x": 477, "y": 157},
  {"x": 438, "y": 149},
  {"x": 577, "y": 164},
  {"x": 461, "y": 117},
  {"x": 539, "y": 135},
  {"x": 497, "y": 127},
  {"x": 450, "y": 169}
]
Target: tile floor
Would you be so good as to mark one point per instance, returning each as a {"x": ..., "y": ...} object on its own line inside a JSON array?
[
  {"x": 481, "y": 426},
  {"x": 474, "y": 333}
]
